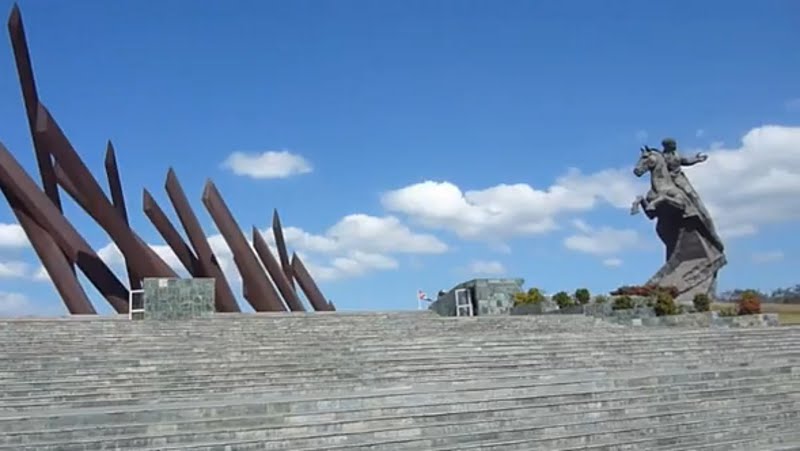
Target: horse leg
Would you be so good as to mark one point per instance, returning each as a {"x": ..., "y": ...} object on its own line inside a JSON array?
[{"x": 638, "y": 203}]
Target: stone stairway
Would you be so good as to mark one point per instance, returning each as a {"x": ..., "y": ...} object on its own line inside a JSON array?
[{"x": 394, "y": 381}]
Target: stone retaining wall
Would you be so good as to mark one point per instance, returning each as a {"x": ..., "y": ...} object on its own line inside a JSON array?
[
  {"x": 705, "y": 319},
  {"x": 173, "y": 299}
]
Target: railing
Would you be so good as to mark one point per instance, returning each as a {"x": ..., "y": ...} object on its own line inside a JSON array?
[
  {"x": 136, "y": 304},
  {"x": 463, "y": 298}
]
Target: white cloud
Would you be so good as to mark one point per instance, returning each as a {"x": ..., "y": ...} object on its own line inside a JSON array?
[
  {"x": 112, "y": 256},
  {"x": 19, "y": 305},
  {"x": 755, "y": 184},
  {"x": 612, "y": 262},
  {"x": 267, "y": 165},
  {"x": 386, "y": 234},
  {"x": 506, "y": 210},
  {"x": 499, "y": 247},
  {"x": 12, "y": 236},
  {"x": 354, "y": 264},
  {"x": 41, "y": 275},
  {"x": 602, "y": 241},
  {"x": 13, "y": 270},
  {"x": 354, "y": 246},
  {"x": 767, "y": 257},
  {"x": 14, "y": 304},
  {"x": 489, "y": 268},
  {"x": 746, "y": 187}
]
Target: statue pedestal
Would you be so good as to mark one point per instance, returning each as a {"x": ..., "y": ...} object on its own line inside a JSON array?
[{"x": 692, "y": 267}]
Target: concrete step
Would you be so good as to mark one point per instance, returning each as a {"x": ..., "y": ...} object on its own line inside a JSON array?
[
  {"x": 537, "y": 340},
  {"x": 541, "y": 435},
  {"x": 220, "y": 380},
  {"x": 594, "y": 380},
  {"x": 179, "y": 378},
  {"x": 421, "y": 362},
  {"x": 71, "y": 332},
  {"x": 418, "y": 414},
  {"x": 553, "y": 432},
  {"x": 774, "y": 436},
  {"x": 388, "y": 401},
  {"x": 68, "y": 359},
  {"x": 395, "y": 382},
  {"x": 210, "y": 377},
  {"x": 344, "y": 328}
]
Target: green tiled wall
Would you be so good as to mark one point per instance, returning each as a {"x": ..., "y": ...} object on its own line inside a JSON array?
[{"x": 169, "y": 299}]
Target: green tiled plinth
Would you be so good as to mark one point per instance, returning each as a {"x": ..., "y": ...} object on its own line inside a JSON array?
[{"x": 168, "y": 299}]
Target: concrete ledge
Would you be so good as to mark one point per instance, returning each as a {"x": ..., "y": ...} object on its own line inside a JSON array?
[{"x": 705, "y": 319}]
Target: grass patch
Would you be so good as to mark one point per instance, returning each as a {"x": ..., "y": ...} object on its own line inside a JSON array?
[
  {"x": 788, "y": 314},
  {"x": 789, "y": 319}
]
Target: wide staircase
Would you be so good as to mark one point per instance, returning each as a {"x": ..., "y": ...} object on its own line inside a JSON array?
[{"x": 394, "y": 381}]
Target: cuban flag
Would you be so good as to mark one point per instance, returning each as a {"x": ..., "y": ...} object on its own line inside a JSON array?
[{"x": 422, "y": 297}]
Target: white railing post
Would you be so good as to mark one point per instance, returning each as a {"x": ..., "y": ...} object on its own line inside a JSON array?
[{"x": 131, "y": 309}]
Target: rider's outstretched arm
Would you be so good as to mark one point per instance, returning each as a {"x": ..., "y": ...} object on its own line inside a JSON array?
[{"x": 691, "y": 161}]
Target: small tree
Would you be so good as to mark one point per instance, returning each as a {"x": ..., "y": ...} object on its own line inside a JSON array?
[
  {"x": 665, "y": 304},
  {"x": 702, "y": 303},
  {"x": 600, "y": 299},
  {"x": 532, "y": 296},
  {"x": 749, "y": 303},
  {"x": 563, "y": 299},
  {"x": 583, "y": 296},
  {"x": 623, "y": 302}
]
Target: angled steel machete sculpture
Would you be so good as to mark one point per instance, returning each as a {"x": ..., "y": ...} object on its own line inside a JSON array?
[{"x": 60, "y": 247}]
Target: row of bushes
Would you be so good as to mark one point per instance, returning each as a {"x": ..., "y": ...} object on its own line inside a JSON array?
[
  {"x": 663, "y": 302},
  {"x": 661, "y": 299},
  {"x": 562, "y": 298}
]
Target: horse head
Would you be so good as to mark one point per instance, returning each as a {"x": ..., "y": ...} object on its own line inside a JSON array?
[{"x": 648, "y": 159}]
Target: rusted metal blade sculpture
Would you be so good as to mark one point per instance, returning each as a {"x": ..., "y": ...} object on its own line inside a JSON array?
[
  {"x": 276, "y": 273},
  {"x": 30, "y": 97},
  {"x": 280, "y": 243},
  {"x": 118, "y": 200},
  {"x": 261, "y": 294},
  {"x": 58, "y": 267},
  {"x": 171, "y": 235},
  {"x": 144, "y": 260},
  {"x": 60, "y": 246},
  {"x": 181, "y": 249},
  {"x": 194, "y": 232},
  {"x": 309, "y": 287},
  {"x": 14, "y": 179}
]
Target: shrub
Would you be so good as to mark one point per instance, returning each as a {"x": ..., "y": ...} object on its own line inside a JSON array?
[
  {"x": 563, "y": 299},
  {"x": 749, "y": 303},
  {"x": 600, "y": 299},
  {"x": 702, "y": 303},
  {"x": 532, "y": 296},
  {"x": 623, "y": 302},
  {"x": 728, "y": 311},
  {"x": 582, "y": 295},
  {"x": 665, "y": 304}
]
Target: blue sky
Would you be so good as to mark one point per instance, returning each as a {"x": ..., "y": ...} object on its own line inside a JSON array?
[{"x": 425, "y": 142}]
